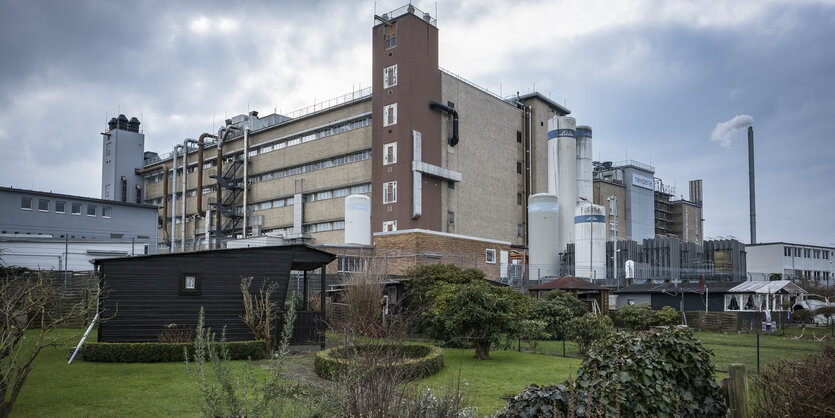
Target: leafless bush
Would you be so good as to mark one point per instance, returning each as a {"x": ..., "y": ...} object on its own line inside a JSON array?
[
  {"x": 363, "y": 305},
  {"x": 172, "y": 333},
  {"x": 797, "y": 389},
  {"x": 258, "y": 309}
]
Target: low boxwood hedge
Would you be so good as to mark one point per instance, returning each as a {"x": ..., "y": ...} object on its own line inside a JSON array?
[
  {"x": 163, "y": 352},
  {"x": 419, "y": 360}
]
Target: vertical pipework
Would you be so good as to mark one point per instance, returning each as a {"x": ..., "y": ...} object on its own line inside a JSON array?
[
  {"x": 246, "y": 179},
  {"x": 202, "y": 141},
  {"x": 174, "y": 199},
  {"x": 751, "y": 188}
]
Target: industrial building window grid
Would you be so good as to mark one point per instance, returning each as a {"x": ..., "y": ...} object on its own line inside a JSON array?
[
  {"x": 390, "y": 192},
  {"x": 106, "y": 211},
  {"x": 26, "y": 203},
  {"x": 613, "y": 205},
  {"x": 91, "y": 210},
  {"x": 43, "y": 205},
  {"x": 390, "y": 153},
  {"x": 390, "y": 76},
  {"x": 390, "y": 114},
  {"x": 60, "y": 206},
  {"x": 390, "y": 36},
  {"x": 313, "y": 197},
  {"x": 76, "y": 208},
  {"x": 350, "y": 264}
]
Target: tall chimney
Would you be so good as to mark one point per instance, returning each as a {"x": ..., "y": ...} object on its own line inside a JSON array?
[{"x": 751, "y": 189}]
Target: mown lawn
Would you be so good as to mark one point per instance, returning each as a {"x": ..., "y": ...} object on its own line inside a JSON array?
[{"x": 56, "y": 389}]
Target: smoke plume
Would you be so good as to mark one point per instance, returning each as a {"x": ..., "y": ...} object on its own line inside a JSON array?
[{"x": 723, "y": 131}]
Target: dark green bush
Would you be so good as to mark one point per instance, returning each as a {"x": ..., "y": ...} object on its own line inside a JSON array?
[
  {"x": 635, "y": 317},
  {"x": 589, "y": 328},
  {"x": 556, "y": 309},
  {"x": 657, "y": 373},
  {"x": 420, "y": 360},
  {"x": 164, "y": 352}
]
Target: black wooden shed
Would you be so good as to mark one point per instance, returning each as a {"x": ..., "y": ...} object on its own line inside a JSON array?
[{"x": 146, "y": 294}]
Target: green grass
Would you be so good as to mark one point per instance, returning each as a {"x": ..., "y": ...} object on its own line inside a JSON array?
[
  {"x": 505, "y": 373},
  {"x": 56, "y": 389}
]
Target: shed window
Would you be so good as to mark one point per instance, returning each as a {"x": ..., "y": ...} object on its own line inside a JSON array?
[
  {"x": 190, "y": 284},
  {"x": 490, "y": 256}
]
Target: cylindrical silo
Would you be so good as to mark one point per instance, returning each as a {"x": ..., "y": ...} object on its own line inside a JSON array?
[
  {"x": 584, "y": 164},
  {"x": 358, "y": 219},
  {"x": 567, "y": 176},
  {"x": 543, "y": 221},
  {"x": 590, "y": 242}
]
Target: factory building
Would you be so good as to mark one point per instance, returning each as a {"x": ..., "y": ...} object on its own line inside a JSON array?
[
  {"x": 51, "y": 231},
  {"x": 788, "y": 261},
  {"x": 431, "y": 150}
]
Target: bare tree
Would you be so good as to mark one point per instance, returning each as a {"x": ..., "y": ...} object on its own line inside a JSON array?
[
  {"x": 29, "y": 312},
  {"x": 258, "y": 309}
]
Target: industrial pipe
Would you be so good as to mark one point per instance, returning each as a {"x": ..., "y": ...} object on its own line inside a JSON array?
[
  {"x": 174, "y": 199},
  {"x": 751, "y": 188},
  {"x": 453, "y": 141},
  {"x": 202, "y": 141},
  {"x": 246, "y": 178},
  {"x": 164, "y": 169},
  {"x": 185, "y": 182}
]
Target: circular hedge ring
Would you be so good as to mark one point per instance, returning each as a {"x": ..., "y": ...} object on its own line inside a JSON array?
[{"x": 412, "y": 361}]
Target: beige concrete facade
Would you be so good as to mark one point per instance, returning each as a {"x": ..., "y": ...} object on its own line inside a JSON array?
[
  {"x": 687, "y": 217},
  {"x": 604, "y": 193}
]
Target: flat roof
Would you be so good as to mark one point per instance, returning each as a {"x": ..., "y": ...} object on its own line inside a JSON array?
[
  {"x": 84, "y": 198},
  {"x": 789, "y": 243},
  {"x": 540, "y": 96}
]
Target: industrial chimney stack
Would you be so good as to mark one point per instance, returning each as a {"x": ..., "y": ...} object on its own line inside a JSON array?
[{"x": 751, "y": 189}]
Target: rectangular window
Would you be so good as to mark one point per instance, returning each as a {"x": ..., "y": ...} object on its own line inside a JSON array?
[
  {"x": 520, "y": 230},
  {"x": 613, "y": 231},
  {"x": 106, "y": 211},
  {"x": 490, "y": 256},
  {"x": 518, "y": 198},
  {"x": 390, "y": 76},
  {"x": 613, "y": 205},
  {"x": 26, "y": 203},
  {"x": 190, "y": 284},
  {"x": 787, "y": 251},
  {"x": 390, "y": 192},
  {"x": 450, "y": 218},
  {"x": 43, "y": 205},
  {"x": 91, "y": 210},
  {"x": 519, "y": 136},
  {"x": 389, "y": 226},
  {"x": 107, "y": 148},
  {"x": 390, "y": 115},
  {"x": 390, "y": 36},
  {"x": 76, "y": 208},
  {"x": 349, "y": 264},
  {"x": 390, "y": 153},
  {"x": 519, "y": 167},
  {"x": 60, "y": 206}
]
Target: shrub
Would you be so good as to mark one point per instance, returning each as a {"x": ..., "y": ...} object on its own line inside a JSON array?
[
  {"x": 410, "y": 361},
  {"x": 636, "y": 317},
  {"x": 589, "y": 328},
  {"x": 667, "y": 316},
  {"x": 657, "y": 373},
  {"x": 788, "y": 389},
  {"x": 556, "y": 309},
  {"x": 164, "y": 352},
  {"x": 532, "y": 330}
]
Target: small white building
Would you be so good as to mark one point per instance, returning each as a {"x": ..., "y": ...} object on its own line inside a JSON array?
[{"x": 791, "y": 262}]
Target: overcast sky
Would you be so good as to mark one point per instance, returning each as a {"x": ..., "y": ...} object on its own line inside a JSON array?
[{"x": 660, "y": 82}]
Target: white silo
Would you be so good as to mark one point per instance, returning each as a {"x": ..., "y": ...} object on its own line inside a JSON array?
[
  {"x": 590, "y": 244},
  {"x": 358, "y": 219},
  {"x": 562, "y": 173},
  {"x": 543, "y": 220},
  {"x": 584, "y": 164}
]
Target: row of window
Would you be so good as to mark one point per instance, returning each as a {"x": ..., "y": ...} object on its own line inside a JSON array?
[
  {"x": 313, "y": 197},
  {"x": 811, "y": 275},
  {"x": 60, "y": 206},
  {"x": 316, "y": 165},
  {"x": 310, "y": 228},
  {"x": 273, "y": 146},
  {"x": 806, "y": 253}
]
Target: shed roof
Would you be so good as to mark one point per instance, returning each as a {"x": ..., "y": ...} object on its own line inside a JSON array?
[
  {"x": 304, "y": 257},
  {"x": 568, "y": 283}
]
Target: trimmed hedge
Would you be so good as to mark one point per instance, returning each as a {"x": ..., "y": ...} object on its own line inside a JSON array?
[
  {"x": 164, "y": 352},
  {"x": 420, "y": 360}
]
